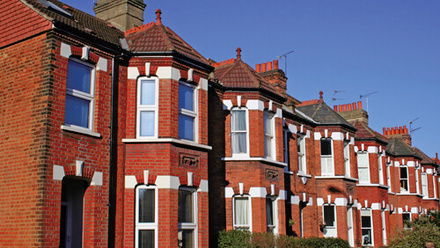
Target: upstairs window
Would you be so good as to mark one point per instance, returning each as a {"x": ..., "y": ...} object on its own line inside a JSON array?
[
  {"x": 327, "y": 168},
  {"x": 404, "y": 187},
  {"x": 286, "y": 135},
  {"x": 187, "y": 111},
  {"x": 379, "y": 162},
  {"x": 80, "y": 95},
  {"x": 242, "y": 213},
  {"x": 301, "y": 148},
  {"x": 347, "y": 158},
  {"x": 187, "y": 216},
  {"x": 146, "y": 217},
  {"x": 147, "y": 108},
  {"x": 363, "y": 167},
  {"x": 389, "y": 177},
  {"x": 425, "y": 185},
  {"x": 239, "y": 131},
  {"x": 269, "y": 135}
]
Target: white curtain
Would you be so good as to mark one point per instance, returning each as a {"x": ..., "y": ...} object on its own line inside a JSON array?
[
  {"x": 238, "y": 128},
  {"x": 242, "y": 211},
  {"x": 363, "y": 168}
]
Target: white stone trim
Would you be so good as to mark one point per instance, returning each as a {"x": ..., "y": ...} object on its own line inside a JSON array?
[
  {"x": 147, "y": 69},
  {"x": 58, "y": 172},
  {"x": 227, "y": 104},
  {"x": 319, "y": 201},
  {"x": 190, "y": 74},
  {"x": 190, "y": 178},
  {"x": 168, "y": 140},
  {"x": 168, "y": 72},
  {"x": 372, "y": 149},
  {"x": 337, "y": 136},
  {"x": 255, "y": 105},
  {"x": 79, "y": 167},
  {"x": 376, "y": 206},
  {"x": 411, "y": 164},
  {"x": 294, "y": 199},
  {"x": 65, "y": 50},
  {"x": 130, "y": 182},
  {"x": 102, "y": 64},
  {"x": 414, "y": 210},
  {"x": 81, "y": 130},
  {"x": 282, "y": 195},
  {"x": 260, "y": 192},
  {"x": 254, "y": 159},
  {"x": 279, "y": 113},
  {"x": 292, "y": 128},
  {"x": 229, "y": 192},
  {"x": 132, "y": 72},
  {"x": 429, "y": 171},
  {"x": 203, "y": 187},
  {"x": 203, "y": 83},
  {"x": 317, "y": 136},
  {"x": 97, "y": 179},
  {"x": 341, "y": 202},
  {"x": 167, "y": 182}
]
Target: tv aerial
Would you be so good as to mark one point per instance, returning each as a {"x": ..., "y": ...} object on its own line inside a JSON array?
[
  {"x": 366, "y": 98},
  {"x": 285, "y": 60},
  {"x": 411, "y": 130},
  {"x": 334, "y": 95}
]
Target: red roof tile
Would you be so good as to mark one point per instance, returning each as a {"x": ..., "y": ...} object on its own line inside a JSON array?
[{"x": 365, "y": 132}]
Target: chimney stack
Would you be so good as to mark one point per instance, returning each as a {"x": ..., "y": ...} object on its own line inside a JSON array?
[
  {"x": 275, "y": 76},
  {"x": 398, "y": 132},
  {"x": 123, "y": 14},
  {"x": 352, "y": 112}
]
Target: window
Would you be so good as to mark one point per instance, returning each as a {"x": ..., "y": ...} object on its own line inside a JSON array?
[
  {"x": 347, "y": 158},
  {"x": 425, "y": 185},
  {"x": 363, "y": 167},
  {"x": 366, "y": 227},
  {"x": 187, "y": 218},
  {"x": 379, "y": 163},
  {"x": 330, "y": 221},
  {"x": 242, "y": 214},
  {"x": 269, "y": 135},
  {"x": 271, "y": 215},
  {"x": 406, "y": 218},
  {"x": 301, "y": 144},
  {"x": 146, "y": 217},
  {"x": 187, "y": 111},
  {"x": 286, "y": 154},
  {"x": 389, "y": 176},
  {"x": 417, "y": 180},
  {"x": 350, "y": 225},
  {"x": 384, "y": 227},
  {"x": 404, "y": 187},
  {"x": 79, "y": 95},
  {"x": 327, "y": 157},
  {"x": 147, "y": 107},
  {"x": 72, "y": 203},
  {"x": 239, "y": 131}
]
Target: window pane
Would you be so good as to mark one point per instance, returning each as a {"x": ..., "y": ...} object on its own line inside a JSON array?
[
  {"x": 186, "y": 97},
  {"x": 403, "y": 172},
  {"x": 326, "y": 147},
  {"x": 329, "y": 215},
  {"x": 187, "y": 238},
  {"x": 366, "y": 221},
  {"x": 366, "y": 236},
  {"x": 268, "y": 146},
  {"x": 146, "y": 205},
  {"x": 238, "y": 119},
  {"x": 146, "y": 239},
  {"x": 77, "y": 111},
  {"x": 148, "y": 92},
  {"x": 185, "y": 206},
  {"x": 269, "y": 212},
  {"x": 78, "y": 76},
  {"x": 298, "y": 144},
  {"x": 186, "y": 127},
  {"x": 268, "y": 123},
  {"x": 239, "y": 143},
  {"x": 147, "y": 123},
  {"x": 241, "y": 211}
]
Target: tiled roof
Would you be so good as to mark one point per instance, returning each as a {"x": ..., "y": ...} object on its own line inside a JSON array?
[
  {"x": 425, "y": 158},
  {"x": 235, "y": 73},
  {"x": 155, "y": 37},
  {"x": 365, "y": 132},
  {"x": 322, "y": 113},
  {"x": 398, "y": 148},
  {"x": 78, "y": 21}
]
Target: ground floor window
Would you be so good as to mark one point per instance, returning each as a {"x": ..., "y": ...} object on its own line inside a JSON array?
[
  {"x": 330, "y": 221},
  {"x": 406, "y": 218},
  {"x": 146, "y": 217},
  {"x": 366, "y": 227},
  {"x": 272, "y": 215},
  {"x": 187, "y": 217},
  {"x": 242, "y": 213}
]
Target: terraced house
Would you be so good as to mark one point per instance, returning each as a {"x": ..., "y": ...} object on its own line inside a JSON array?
[{"x": 116, "y": 133}]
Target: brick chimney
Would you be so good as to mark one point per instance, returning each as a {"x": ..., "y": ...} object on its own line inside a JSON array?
[
  {"x": 352, "y": 112},
  {"x": 398, "y": 132},
  {"x": 275, "y": 76},
  {"x": 123, "y": 14}
]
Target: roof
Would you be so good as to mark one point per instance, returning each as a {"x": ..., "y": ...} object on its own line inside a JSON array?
[
  {"x": 319, "y": 111},
  {"x": 154, "y": 37},
  {"x": 425, "y": 158},
  {"x": 235, "y": 73},
  {"x": 365, "y": 132},
  {"x": 399, "y": 148},
  {"x": 67, "y": 17}
]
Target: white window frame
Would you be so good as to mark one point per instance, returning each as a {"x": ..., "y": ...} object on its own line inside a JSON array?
[
  {"x": 403, "y": 190},
  {"x": 269, "y": 138},
  {"x": 389, "y": 177},
  {"x": 368, "y": 213},
  {"x": 334, "y": 228},
  {"x": 350, "y": 227},
  {"x": 84, "y": 96},
  {"x": 243, "y": 154},
  {"x": 425, "y": 189},
  {"x": 147, "y": 225},
  {"x": 384, "y": 227},
  {"x": 150, "y": 108},
  {"x": 380, "y": 168},
  {"x": 286, "y": 148},
  {"x": 327, "y": 163},
  {"x": 365, "y": 166},
  {"x": 274, "y": 204},
  {"x": 417, "y": 180},
  {"x": 191, "y": 225},
  {"x": 240, "y": 226},
  {"x": 302, "y": 159},
  {"x": 410, "y": 218},
  {"x": 347, "y": 158},
  {"x": 189, "y": 113}
]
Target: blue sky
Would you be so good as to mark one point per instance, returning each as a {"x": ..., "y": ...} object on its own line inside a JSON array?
[{"x": 354, "y": 46}]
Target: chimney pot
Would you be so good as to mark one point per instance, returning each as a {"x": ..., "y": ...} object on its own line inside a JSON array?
[
  {"x": 258, "y": 67},
  {"x": 405, "y": 129},
  {"x": 340, "y": 108},
  {"x": 335, "y": 108},
  {"x": 275, "y": 64},
  {"x": 354, "y": 106},
  {"x": 345, "y": 107},
  {"x": 349, "y": 107},
  {"x": 384, "y": 131},
  {"x": 359, "y": 105},
  {"x": 263, "y": 69},
  {"x": 269, "y": 66}
]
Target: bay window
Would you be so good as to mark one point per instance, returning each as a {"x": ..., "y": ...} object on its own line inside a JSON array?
[
  {"x": 239, "y": 131},
  {"x": 366, "y": 227},
  {"x": 327, "y": 168},
  {"x": 187, "y": 217},
  {"x": 330, "y": 221},
  {"x": 146, "y": 217},
  {"x": 363, "y": 167},
  {"x": 147, "y": 108},
  {"x": 187, "y": 111},
  {"x": 404, "y": 187},
  {"x": 242, "y": 213},
  {"x": 269, "y": 135}
]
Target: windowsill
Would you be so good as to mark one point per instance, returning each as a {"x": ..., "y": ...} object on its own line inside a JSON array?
[
  {"x": 337, "y": 177},
  {"x": 373, "y": 185},
  {"x": 267, "y": 160},
  {"x": 303, "y": 175},
  {"x": 432, "y": 199},
  {"x": 407, "y": 193},
  {"x": 80, "y": 130},
  {"x": 169, "y": 140}
]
